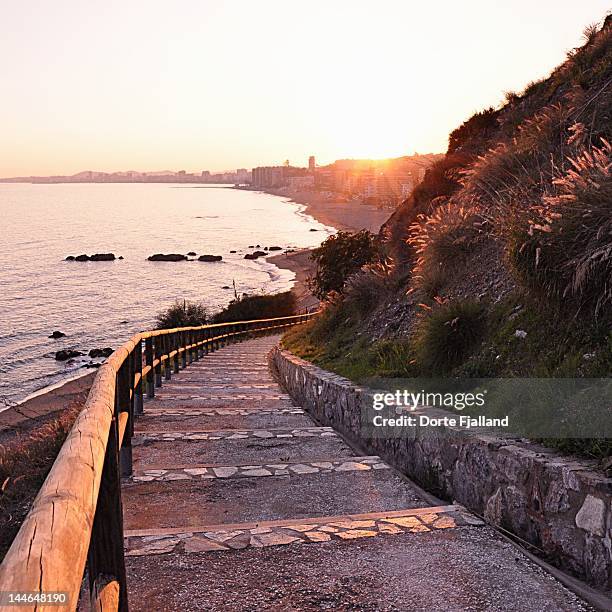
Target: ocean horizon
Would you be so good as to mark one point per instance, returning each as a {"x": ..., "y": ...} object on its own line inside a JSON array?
[{"x": 100, "y": 304}]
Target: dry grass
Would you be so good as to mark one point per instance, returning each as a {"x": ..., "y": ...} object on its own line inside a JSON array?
[
  {"x": 24, "y": 465},
  {"x": 441, "y": 240},
  {"x": 565, "y": 248}
]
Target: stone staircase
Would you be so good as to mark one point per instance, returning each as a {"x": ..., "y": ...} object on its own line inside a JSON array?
[{"x": 239, "y": 501}]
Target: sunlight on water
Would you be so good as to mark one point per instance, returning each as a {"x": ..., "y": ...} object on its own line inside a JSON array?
[{"x": 102, "y": 303}]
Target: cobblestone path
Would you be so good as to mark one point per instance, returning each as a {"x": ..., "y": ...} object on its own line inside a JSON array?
[{"x": 240, "y": 501}]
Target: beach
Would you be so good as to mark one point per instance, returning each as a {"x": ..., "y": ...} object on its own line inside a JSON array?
[{"x": 344, "y": 216}]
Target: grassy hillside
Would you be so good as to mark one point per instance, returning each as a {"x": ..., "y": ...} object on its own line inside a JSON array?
[{"x": 500, "y": 263}]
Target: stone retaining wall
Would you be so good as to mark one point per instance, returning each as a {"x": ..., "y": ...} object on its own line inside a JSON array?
[{"x": 557, "y": 503}]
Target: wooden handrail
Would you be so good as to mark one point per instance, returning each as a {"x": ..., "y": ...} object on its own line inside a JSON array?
[{"x": 76, "y": 519}]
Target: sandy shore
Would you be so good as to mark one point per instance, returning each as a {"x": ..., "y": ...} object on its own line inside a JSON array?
[
  {"x": 22, "y": 418},
  {"x": 345, "y": 216}
]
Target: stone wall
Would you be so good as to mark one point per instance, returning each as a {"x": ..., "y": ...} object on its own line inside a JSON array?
[{"x": 559, "y": 504}]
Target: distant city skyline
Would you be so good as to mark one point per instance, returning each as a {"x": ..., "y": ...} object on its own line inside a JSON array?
[{"x": 213, "y": 85}]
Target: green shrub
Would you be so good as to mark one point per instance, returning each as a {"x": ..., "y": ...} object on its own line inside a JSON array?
[
  {"x": 182, "y": 314},
  {"x": 447, "y": 335},
  {"x": 251, "y": 307},
  {"x": 340, "y": 256}
]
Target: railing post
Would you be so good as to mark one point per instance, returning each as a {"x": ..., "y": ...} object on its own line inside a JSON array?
[
  {"x": 158, "y": 354},
  {"x": 175, "y": 347},
  {"x": 167, "y": 350},
  {"x": 123, "y": 403},
  {"x": 105, "y": 557},
  {"x": 206, "y": 332},
  {"x": 183, "y": 344},
  {"x": 149, "y": 362},
  {"x": 196, "y": 340},
  {"x": 137, "y": 368}
]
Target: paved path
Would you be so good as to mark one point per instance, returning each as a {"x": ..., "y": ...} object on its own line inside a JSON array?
[{"x": 239, "y": 501}]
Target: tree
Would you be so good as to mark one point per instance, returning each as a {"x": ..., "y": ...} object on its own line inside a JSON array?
[{"x": 338, "y": 257}]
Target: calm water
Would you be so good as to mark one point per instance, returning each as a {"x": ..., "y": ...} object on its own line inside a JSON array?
[{"x": 102, "y": 303}]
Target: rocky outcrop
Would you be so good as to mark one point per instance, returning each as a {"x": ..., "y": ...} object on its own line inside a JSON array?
[
  {"x": 210, "y": 258},
  {"x": 167, "y": 257},
  {"x": 255, "y": 255},
  {"x": 66, "y": 354},
  {"x": 94, "y": 257},
  {"x": 101, "y": 352},
  {"x": 558, "y": 503},
  {"x": 57, "y": 334},
  {"x": 275, "y": 248}
]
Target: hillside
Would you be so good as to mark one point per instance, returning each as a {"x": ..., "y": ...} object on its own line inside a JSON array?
[{"x": 500, "y": 262}]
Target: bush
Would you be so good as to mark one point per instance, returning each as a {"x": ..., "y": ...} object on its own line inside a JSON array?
[
  {"x": 565, "y": 251},
  {"x": 477, "y": 130},
  {"x": 446, "y": 336},
  {"x": 365, "y": 289},
  {"x": 251, "y": 307},
  {"x": 182, "y": 314},
  {"x": 340, "y": 256},
  {"x": 441, "y": 240}
]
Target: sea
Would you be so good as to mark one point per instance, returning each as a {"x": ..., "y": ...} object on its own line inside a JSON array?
[{"x": 100, "y": 304}]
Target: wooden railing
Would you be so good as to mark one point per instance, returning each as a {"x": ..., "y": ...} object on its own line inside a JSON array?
[{"x": 76, "y": 519}]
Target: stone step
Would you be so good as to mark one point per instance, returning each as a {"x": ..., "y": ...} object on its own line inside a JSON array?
[
  {"x": 293, "y": 469},
  {"x": 153, "y": 450},
  {"x": 188, "y": 420},
  {"x": 185, "y": 504},
  {"x": 450, "y": 569},
  {"x": 168, "y": 401},
  {"x": 226, "y": 537},
  {"x": 203, "y": 397}
]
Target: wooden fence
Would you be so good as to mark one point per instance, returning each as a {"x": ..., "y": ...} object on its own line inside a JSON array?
[{"x": 76, "y": 520}]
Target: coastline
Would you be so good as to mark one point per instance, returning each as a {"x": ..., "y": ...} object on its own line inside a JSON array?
[
  {"x": 344, "y": 216},
  {"x": 45, "y": 404}
]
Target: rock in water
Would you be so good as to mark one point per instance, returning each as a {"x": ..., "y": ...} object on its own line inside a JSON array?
[
  {"x": 101, "y": 352},
  {"x": 210, "y": 258},
  {"x": 275, "y": 248},
  {"x": 169, "y": 257},
  {"x": 192, "y": 253},
  {"x": 103, "y": 257},
  {"x": 66, "y": 354},
  {"x": 57, "y": 334},
  {"x": 82, "y": 258}
]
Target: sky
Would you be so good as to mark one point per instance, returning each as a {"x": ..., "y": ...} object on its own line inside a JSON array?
[{"x": 197, "y": 84}]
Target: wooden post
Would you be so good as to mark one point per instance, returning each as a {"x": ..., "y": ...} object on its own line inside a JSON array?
[
  {"x": 196, "y": 340},
  {"x": 175, "y": 359},
  {"x": 167, "y": 350},
  {"x": 122, "y": 402},
  {"x": 149, "y": 362},
  {"x": 158, "y": 351},
  {"x": 105, "y": 557},
  {"x": 206, "y": 333},
  {"x": 137, "y": 369},
  {"x": 183, "y": 344}
]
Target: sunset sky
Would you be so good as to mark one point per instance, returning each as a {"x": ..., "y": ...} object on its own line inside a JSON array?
[{"x": 195, "y": 84}]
